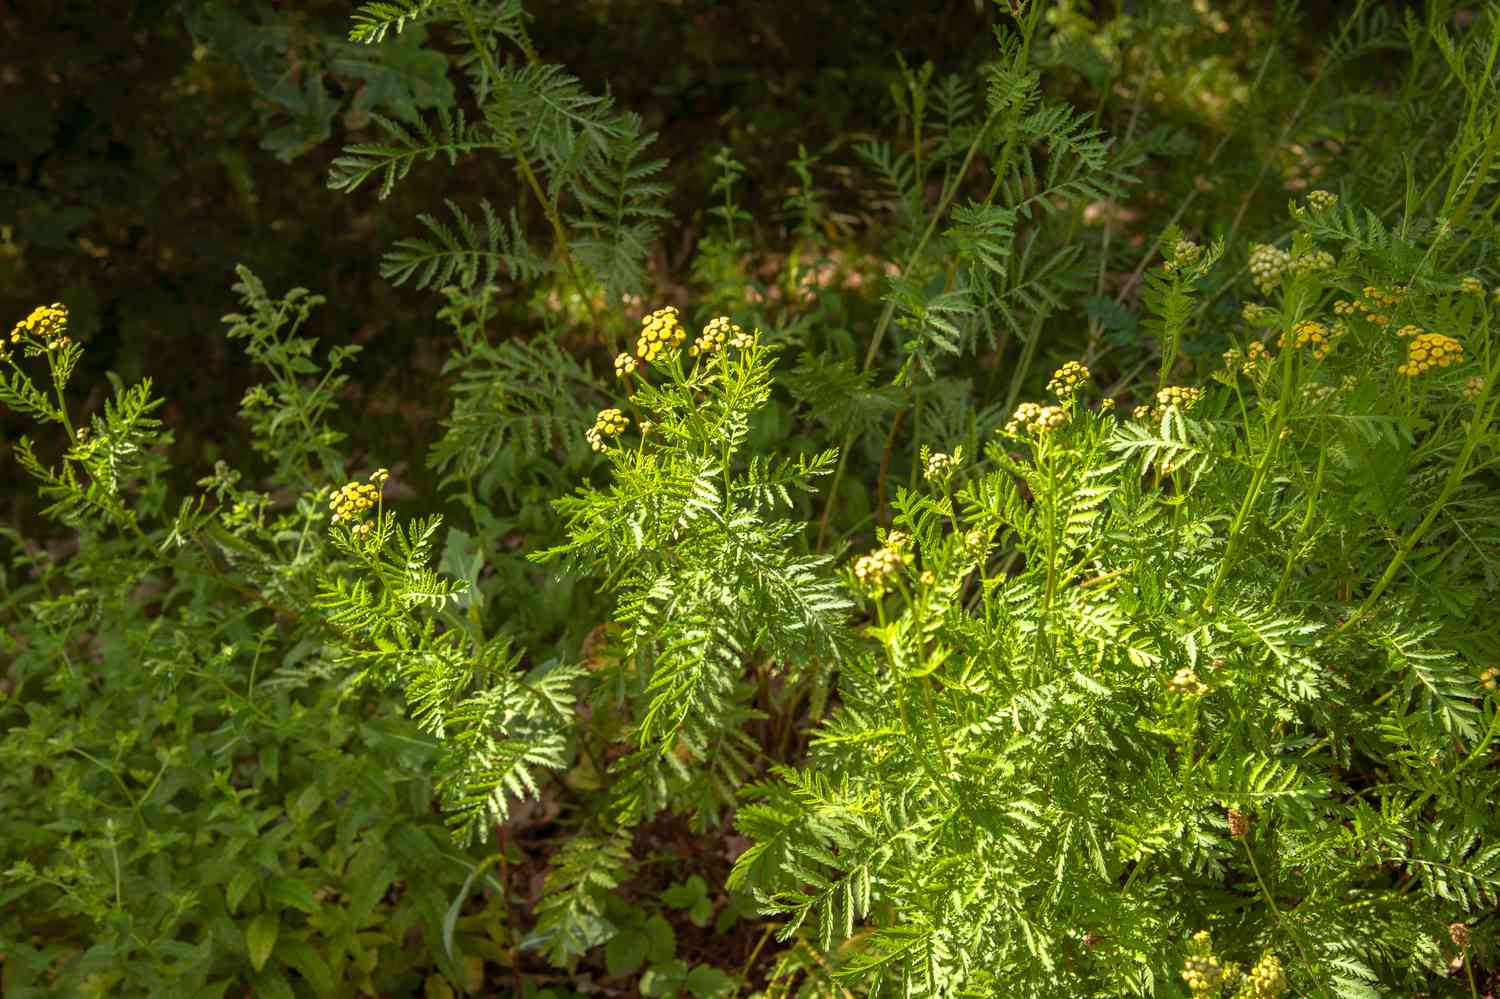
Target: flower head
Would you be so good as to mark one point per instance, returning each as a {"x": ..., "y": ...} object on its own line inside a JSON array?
[
  {"x": 711, "y": 340},
  {"x": 45, "y": 324},
  {"x": 1185, "y": 682},
  {"x": 1320, "y": 201},
  {"x": 1267, "y": 264},
  {"x": 1267, "y": 978},
  {"x": 659, "y": 330},
  {"x": 1430, "y": 350},
  {"x": 1035, "y": 419},
  {"x": 1067, "y": 379},
  {"x": 352, "y": 499},
  {"x": 874, "y": 570},
  {"x": 609, "y": 423},
  {"x": 1309, "y": 332},
  {"x": 624, "y": 365}
]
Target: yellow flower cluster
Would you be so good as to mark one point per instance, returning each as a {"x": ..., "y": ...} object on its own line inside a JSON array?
[
  {"x": 353, "y": 499},
  {"x": 1201, "y": 970},
  {"x": 1430, "y": 350},
  {"x": 1185, "y": 681},
  {"x": 609, "y": 423},
  {"x": 659, "y": 330},
  {"x": 1250, "y": 360},
  {"x": 1309, "y": 331},
  {"x": 1206, "y": 975},
  {"x": 1035, "y": 419},
  {"x": 1267, "y": 264},
  {"x": 1472, "y": 386},
  {"x": 45, "y": 325},
  {"x": 1067, "y": 379},
  {"x": 1181, "y": 396},
  {"x": 1373, "y": 303},
  {"x": 714, "y": 334},
  {"x": 624, "y": 365},
  {"x": 1471, "y": 286},
  {"x": 1267, "y": 979},
  {"x": 1490, "y": 678},
  {"x": 875, "y": 569}
]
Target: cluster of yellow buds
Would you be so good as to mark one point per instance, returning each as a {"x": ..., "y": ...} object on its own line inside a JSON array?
[
  {"x": 1257, "y": 314},
  {"x": 1267, "y": 979},
  {"x": 1471, "y": 286},
  {"x": 1321, "y": 201},
  {"x": 624, "y": 365},
  {"x": 609, "y": 423},
  {"x": 714, "y": 334},
  {"x": 1374, "y": 304},
  {"x": 1317, "y": 260},
  {"x": 1185, "y": 681},
  {"x": 1184, "y": 255},
  {"x": 1035, "y": 419},
  {"x": 1067, "y": 379},
  {"x": 1248, "y": 361},
  {"x": 1201, "y": 970},
  {"x": 1409, "y": 330},
  {"x": 1430, "y": 350},
  {"x": 45, "y": 325},
  {"x": 1309, "y": 331},
  {"x": 1472, "y": 387},
  {"x": 659, "y": 330},
  {"x": 1490, "y": 678},
  {"x": 875, "y": 569},
  {"x": 1267, "y": 264},
  {"x": 353, "y": 498},
  {"x": 1181, "y": 396}
]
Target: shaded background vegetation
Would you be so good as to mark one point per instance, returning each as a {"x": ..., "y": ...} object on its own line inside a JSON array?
[{"x": 148, "y": 147}]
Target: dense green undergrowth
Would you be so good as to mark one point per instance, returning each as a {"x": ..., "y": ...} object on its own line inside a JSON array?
[{"x": 1078, "y": 584}]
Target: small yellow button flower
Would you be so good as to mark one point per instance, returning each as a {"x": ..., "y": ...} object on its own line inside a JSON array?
[
  {"x": 659, "y": 330},
  {"x": 45, "y": 324},
  {"x": 609, "y": 423},
  {"x": 1035, "y": 419},
  {"x": 1067, "y": 379},
  {"x": 712, "y": 339},
  {"x": 353, "y": 499},
  {"x": 1309, "y": 332},
  {"x": 1428, "y": 351}
]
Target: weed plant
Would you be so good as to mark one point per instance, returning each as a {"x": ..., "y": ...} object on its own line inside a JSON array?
[{"x": 1095, "y": 610}]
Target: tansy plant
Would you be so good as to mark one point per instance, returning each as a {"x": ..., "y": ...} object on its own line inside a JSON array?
[
  {"x": 1119, "y": 671},
  {"x": 190, "y": 781}
]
